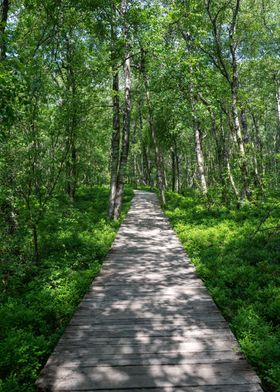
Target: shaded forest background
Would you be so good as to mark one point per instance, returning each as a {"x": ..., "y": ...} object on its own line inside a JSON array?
[{"x": 98, "y": 97}]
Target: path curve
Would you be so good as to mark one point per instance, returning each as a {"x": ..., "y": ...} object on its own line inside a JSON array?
[{"x": 147, "y": 322}]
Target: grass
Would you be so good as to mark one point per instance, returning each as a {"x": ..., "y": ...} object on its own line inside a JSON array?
[
  {"x": 239, "y": 261},
  {"x": 37, "y": 301}
]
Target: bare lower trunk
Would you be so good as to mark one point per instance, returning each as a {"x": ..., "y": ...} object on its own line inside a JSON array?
[
  {"x": 241, "y": 148},
  {"x": 248, "y": 140},
  {"x": 278, "y": 116},
  {"x": 200, "y": 159},
  {"x": 232, "y": 182},
  {"x": 198, "y": 145},
  {"x": 3, "y": 22},
  {"x": 159, "y": 160},
  {"x": 35, "y": 242},
  {"x": 115, "y": 145},
  {"x": 146, "y": 167},
  {"x": 7, "y": 206},
  {"x": 175, "y": 169},
  {"x": 71, "y": 172},
  {"x": 174, "y": 174}
]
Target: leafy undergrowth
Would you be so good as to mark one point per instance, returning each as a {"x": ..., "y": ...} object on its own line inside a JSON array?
[
  {"x": 38, "y": 301},
  {"x": 236, "y": 253}
]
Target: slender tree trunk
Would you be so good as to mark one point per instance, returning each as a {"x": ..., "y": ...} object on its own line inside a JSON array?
[
  {"x": 115, "y": 144},
  {"x": 200, "y": 158},
  {"x": 159, "y": 160},
  {"x": 240, "y": 143},
  {"x": 71, "y": 135},
  {"x": 116, "y": 134},
  {"x": 3, "y": 22},
  {"x": 176, "y": 168},
  {"x": 196, "y": 125},
  {"x": 278, "y": 114},
  {"x": 71, "y": 171},
  {"x": 35, "y": 242},
  {"x": 234, "y": 101},
  {"x": 175, "y": 171},
  {"x": 220, "y": 139},
  {"x": 258, "y": 146},
  {"x": 7, "y": 206},
  {"x": 174, "y": 174},
  {"x": 198, "y": 145},
  {"x": 232, "y": 182},
  {"x": 126, "y": 118},
  {"x": 146, "y": 167},
  {"x": 278, "y": 102},
  {"x": 247, "y": 139}
]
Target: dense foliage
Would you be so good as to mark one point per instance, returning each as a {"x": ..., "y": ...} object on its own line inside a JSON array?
[{"x": 181, "y": 95}]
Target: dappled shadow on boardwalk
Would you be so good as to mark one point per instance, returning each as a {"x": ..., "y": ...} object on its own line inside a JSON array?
[{"x": 147, "y": 322}]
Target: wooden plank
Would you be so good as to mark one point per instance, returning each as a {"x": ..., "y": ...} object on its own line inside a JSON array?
[
  {"x": 145, "y": 310},
  {"x": 143, "y": 331},
  {"x": 186, "y": 319},
  {"x": 73, "y": 359},
  {"x": 136, "y": 337},
  {"x": 148, "y": 288},
  {"x": 238, "y": 373},
  {"x": 93, "y": 348},
  {"x": 202, "y": 388},
  {"x": 85, "y": 324}
]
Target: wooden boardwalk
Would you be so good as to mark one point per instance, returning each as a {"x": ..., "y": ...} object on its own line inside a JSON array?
[{"x": 148, "y": 322}]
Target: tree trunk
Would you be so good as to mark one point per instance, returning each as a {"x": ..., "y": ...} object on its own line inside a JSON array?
[
  {"x": 71, "y": 171},
  {"x": 174, "y": 174},
  {"x": 115, "y": 144},
  {"x": 278, "y": 114},
  {"x": 175, "y": 171},
  {"x": 232, "y": 182},
  {"x": 198, "y": 144},
  {"x": 247, "y": 139},
  {"x": 35, "y": 242},
  {"x": 200, "y": 158},
  {"x": 159, "y": 160},
  {"x": 240, "y": 143},
  {"x": 3, "y": 22},
  {"x": 146, "y": 167},
  {"x": 7, "y": 205},
  {"x": 126, "y": 118},
  {"x": 176, "y": 168},
  {"x": 234, "y": 84}
]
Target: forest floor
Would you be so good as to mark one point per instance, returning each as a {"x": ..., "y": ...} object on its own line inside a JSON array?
[
  {"x": 237, "y": 254},
  {"x": 37, "y": 301}
]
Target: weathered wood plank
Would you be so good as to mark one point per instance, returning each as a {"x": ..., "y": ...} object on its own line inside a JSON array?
[
  {"x": 142, "y": 327},
  {"x": 74, "y": 360},
  {"x": 238, "y": 373},
  {"x": 85, "y": 348},
  {"x": 143, "y": 332},
  {"x": 187, "y": 320},
  {"x": 203, "y": 388}
]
